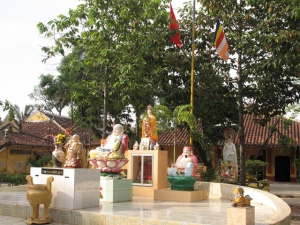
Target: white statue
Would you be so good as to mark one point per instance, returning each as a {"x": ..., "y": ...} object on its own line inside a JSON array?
[
  {"x": 186, "y": 164},
  {"x": 109, "y": 157},
  {"x": 229, "y": 156},
  {"x": 114, "y": 147}
]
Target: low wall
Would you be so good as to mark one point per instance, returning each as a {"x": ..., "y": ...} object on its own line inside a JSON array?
[{"x": 225, "y": 191}]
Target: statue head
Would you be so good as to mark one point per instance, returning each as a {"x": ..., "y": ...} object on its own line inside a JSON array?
[
  {"x": 187, "y": 151},
  {"x": 149, "y": 110},
  {"x": 118, "y": 129},
  {"x": 229, "y": 139},
  {"x": 75, "y": 137}
]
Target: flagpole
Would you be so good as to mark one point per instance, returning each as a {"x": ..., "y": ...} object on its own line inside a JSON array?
[{"x": 192, "y": 66}]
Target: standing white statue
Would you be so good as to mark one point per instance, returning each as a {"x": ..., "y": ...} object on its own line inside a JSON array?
[{"x": 230, "y": 158}]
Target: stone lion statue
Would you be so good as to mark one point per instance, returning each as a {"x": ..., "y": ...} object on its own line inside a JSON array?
[{"x": 240, "y": 199}]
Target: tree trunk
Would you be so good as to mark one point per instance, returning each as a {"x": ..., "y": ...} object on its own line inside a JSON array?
[
  {"x": 137, "y": 127},
  {"x": 242, "y": 180},
  {"x": 105, "y": 103}
]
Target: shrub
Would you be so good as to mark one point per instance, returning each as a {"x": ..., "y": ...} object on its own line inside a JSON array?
[
  {"x": 13, "y": 179},
  {"x": 253, "y": 167},
  {"x": 208, "y": 175},
  {"x": 40, "y": 162}
]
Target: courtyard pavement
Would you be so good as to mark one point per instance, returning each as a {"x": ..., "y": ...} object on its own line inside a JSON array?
[
  {"x": 290, "y": 193},
  {"x": 215, "y": 211}
]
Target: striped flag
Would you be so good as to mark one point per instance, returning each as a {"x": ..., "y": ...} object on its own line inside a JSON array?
[
  {"x": 220, "y": 42},
  {"x": 175, "y": 37}
]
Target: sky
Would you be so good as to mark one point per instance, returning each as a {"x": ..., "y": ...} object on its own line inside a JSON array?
[{"x": 20, "y": 46}]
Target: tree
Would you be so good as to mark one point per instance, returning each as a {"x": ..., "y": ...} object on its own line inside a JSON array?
[
  {"x": 215, "y": 93},
  {"x": 264, "y": 46},
  {"x": 22, "y": 115},
  {"x": 7, "y": 106},
  {"x": 181, "y": 117},
  {"x": 53, "y": 92},
  {"x": 122, "y": 44}
]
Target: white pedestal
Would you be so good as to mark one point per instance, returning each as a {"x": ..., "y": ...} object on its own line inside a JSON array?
[
  {"x": 241, "y": 215},
  {"x": 116, "y": 190},
  {"x": 72, "y": 188}
]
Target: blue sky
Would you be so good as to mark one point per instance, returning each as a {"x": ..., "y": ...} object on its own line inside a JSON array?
[{"x": 20, "y": 45}]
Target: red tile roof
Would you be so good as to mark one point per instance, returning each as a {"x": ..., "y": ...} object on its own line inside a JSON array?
[
  {"x": 38, "y": 133},
  {"x": 34, "y": 133},
  {"x": 24, "y": 140},
  {"x": 255, "y": 134}
]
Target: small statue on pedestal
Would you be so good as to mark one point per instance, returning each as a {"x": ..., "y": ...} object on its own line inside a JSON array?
[
  {"x": 136, "y": 146},
  {"x": 182, "y": 175},
  {"x": 240, "y": 199},
  {"x": 149, "y": 127},
  {"x": 110, "y": 157},
  {"x": 74, "y": 153},
  {"x": 186, "y": 164}
]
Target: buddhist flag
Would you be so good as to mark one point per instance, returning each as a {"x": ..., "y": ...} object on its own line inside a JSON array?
[
  {"x": 175, "y": 36},
  {"x": 220, "y": 42}
]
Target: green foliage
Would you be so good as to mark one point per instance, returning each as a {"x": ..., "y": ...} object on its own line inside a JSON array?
[
  {"x": 297, "y": 163},
  {"x": 210, "y": 175},
  {"x": 285, "y": 142},
  {"x": 264, "y": 45},
  {"x": 32, "y": 162},
  {"x": 253, "y": 167},
  {"x": 179, "y": 118},
  {"x": 116, "y": 59},
  {"x": 23, "y": 115},
  {"x": 13, "y": 179},
  {"x": 206, "y": 145},
  {"x": 7, "y": 106},
  {"x": 53, "y": 92}
]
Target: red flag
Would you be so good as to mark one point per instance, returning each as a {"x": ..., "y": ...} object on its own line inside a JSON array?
[{"x": 175, "y": 37}]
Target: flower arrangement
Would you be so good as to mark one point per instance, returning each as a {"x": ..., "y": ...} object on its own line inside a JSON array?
[
  {"x": 60, "y": 138},
  {"x": 63, "y": 137},
  {"x": 226, "y": 163}
]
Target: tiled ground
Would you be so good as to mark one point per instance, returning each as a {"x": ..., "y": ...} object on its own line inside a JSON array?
[{"x": 141, "y": 210}]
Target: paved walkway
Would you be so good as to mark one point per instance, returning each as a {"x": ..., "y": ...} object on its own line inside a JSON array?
[
  {"x": 204, "y": 212},
  {"x": 285, "y": 189},
  {"x": 290, "y": 193}
]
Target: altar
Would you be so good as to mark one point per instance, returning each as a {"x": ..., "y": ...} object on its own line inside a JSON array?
[
  {"x": 148, "y": 171},
  {"x": 72, "y": 188}
]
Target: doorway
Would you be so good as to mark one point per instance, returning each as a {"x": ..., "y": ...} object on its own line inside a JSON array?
[{"x": 282, "y": 168}]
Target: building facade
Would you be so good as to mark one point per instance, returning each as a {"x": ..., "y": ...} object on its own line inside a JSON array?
[
  {"x": 34, "y": 138},
  {"x": 281, "y": 165}
]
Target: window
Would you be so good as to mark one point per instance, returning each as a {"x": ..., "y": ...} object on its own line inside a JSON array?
[
  {"x": 142, "y": 169},
  {"x": 20, "y": 152}
]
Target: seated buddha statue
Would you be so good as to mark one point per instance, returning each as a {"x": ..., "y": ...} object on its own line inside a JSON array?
[
  {"x": 114, "y": 146},
  {"x": 186, "y": 164}
]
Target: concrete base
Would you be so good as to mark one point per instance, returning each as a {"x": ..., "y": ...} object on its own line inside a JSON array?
[
  {"x": 115, "y": 190},
  {"x": 182, "y": 183},
  {"x": 241, "y": 215},
  {"x": 72, "y": 188},
  {"x": 167, "y": 194},
  {"x": 143, "y": 191}
]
